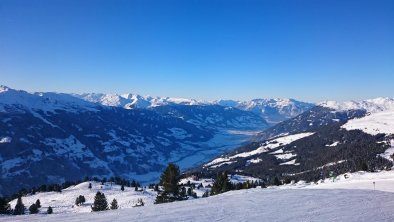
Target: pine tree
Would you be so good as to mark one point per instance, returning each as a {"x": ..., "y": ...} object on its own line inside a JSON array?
[
  {"x": 222, "y": 184},
  {"x": 122, "y": 188},
  {"x": 80, "y": 200},
  {"x": 114, "y": 204},
  {"x": 38, "y": 203},
  {"x": 5, "y": 207},
  {"x": 90, "y": 186},
  {"x": 100, "y": 202},
  {"x": 206, "y": 194},
  {"x": 19, "y": 207},
  {"x": 277, "y": 182},
  {"x": 169, "y": 180},
  {"x": 33, "y": 209},
  {"x": 183, "y": 192},
  {"x": 136, "y": 188},
  {"x": 50, "y": 210}
]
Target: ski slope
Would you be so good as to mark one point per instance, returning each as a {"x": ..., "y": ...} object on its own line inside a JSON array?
[
  {"x": 350, "y": 198},
  {"x": 375, "y": 123}
]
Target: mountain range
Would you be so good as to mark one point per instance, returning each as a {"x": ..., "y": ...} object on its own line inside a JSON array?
[
  {"x": 331, "y": 138},
  {"x": 55, "y": 137}
]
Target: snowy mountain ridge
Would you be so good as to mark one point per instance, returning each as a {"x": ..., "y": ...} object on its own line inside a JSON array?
[
  {"x": 272, "y": 110},
  {"x": 369, "y": 105},
  {"x": 47, "y": 102}
]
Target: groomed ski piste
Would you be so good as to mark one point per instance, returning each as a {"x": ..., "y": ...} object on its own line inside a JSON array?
[{"x": 357, "y": 196}]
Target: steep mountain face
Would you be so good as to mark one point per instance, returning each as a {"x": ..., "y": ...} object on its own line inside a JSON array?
[
  {"x": 338, "y": 137},
  {"x": 51, "y": 137}
]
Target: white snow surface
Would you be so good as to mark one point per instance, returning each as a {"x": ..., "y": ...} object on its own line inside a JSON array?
[
  {"x": 6, "y": 139},
  {"x": 47, "y": 102},
  {"x": 265, "y": 147},
  {"x": 64, "y": 202},
  {"x": 370, "y": 105},
  {"x": 336, "y": 143},
  {"x": 375, "y": 123},
  {"x": 352, "y": 199}
]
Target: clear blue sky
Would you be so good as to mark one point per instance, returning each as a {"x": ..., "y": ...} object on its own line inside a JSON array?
[{"x": 309, "y": 50}]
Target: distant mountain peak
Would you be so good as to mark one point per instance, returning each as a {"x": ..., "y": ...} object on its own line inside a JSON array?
[
  {"x": 369, "y": 105},
  {"x": 3, "y": 88}
]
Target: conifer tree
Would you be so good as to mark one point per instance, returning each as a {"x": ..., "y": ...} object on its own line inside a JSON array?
[
  {"x": 277, "y": 182},
  {"x": 19, "y": 207},
  {"x": 33, "y": 209},
  {"x": 50, "y": 210},
  {"x": 114, "y": 204},
  {"x": 122, "y": 188},
  {"x": 38, "y": 203},
  {"x": 169, "y": 180},
  {"x": 222, "y": 184},
  {"x": 90, "y": 186},
  {"x": 80, "y": 200},
  {"x": 5, "y": 207},
  {"x": 100, "y": 202}
]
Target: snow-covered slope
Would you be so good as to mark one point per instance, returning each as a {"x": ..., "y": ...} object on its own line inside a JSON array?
[
  {"x": 47, "y": 102},
  {"x": 375, "y": 123},
  {"x": 64, "y": 202},
  {"x": 352, "y": 199},
  {"x": 371, "y": 105},
  {"x": 130, "y": 101},
  {"x": 272, "y": 110},
  {"x": 265, "y": 147},
  {"x": 41, "y": 134}
]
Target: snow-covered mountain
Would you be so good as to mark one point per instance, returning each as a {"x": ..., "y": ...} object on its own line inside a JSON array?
[
  {"x": 333, "y": 136},
  {"x": 130, "y": 101},
  {"x": 370, "y": 105},
  {"x": 272, "y": 110},
  {"x": 43, "y": 134}
]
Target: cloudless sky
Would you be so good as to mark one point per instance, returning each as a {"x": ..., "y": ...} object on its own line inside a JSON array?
[{"x": 205, "y": 49}]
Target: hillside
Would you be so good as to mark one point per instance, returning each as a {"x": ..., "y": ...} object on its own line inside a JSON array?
[
  {"x": 55, "y": 137},
  {"x": 334, "y": 137},
  {"x": 351, "y": 199}
]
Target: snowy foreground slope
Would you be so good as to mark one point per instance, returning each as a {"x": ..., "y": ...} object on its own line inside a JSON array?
[{"x": 351, "y": 199}]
